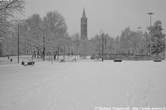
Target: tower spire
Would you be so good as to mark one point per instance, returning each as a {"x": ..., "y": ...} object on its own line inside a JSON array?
[
  {"x": 84, "y": 26},
  {"x": 84, "y": 14}
]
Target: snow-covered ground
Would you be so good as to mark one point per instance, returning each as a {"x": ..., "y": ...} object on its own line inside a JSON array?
[{"x": 82, "y": 85}]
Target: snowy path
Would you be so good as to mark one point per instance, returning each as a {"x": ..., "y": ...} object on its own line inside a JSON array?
[{"x": 82, "y": 85}]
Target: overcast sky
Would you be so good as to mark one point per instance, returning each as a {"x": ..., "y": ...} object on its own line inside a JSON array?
[{"x": 110, "y": 16}]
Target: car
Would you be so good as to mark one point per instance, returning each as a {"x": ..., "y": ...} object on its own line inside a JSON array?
[
  {"x": 27, "y": 63},
  {"x": 117, "y": 60}
]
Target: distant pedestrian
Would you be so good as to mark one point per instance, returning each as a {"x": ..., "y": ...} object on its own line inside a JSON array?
[
  {"x": 23, "y": 63},
  {"x": 11, "y": 60},
  {"x": 54, "y": 56}
]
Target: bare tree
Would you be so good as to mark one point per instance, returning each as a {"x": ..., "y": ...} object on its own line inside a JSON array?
[
  {"x": 10, "y": 7},
  {"x": 8, "y": 10}
]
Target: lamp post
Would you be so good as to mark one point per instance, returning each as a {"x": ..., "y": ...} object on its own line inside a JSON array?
[
  {"x": 150, "y": 16},
  {"x": 164, "y": 45},
  {"x": 44, "y": 42},
  {"x": 18, "y": 43},
  {"x": 102, "y": 45},
  {"x": 43, "y": 47},
  {"x": 102, "y": 38},
  {"x": 1, "y": 40},
  {"x": 18, "y": 22}
]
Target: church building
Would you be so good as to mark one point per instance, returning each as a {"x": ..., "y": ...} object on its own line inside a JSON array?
[{"x": 84, "y": 26}]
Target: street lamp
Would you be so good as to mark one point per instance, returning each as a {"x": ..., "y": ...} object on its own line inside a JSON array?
[
  {"x": 18, "y": 42},
  {"x": 150, "y": 16},
  {"x": 102, "y": 44},
  {"x": 18, "y": 22},
  {"x": 44, "y": 42},
  {"x": 1, "y": 40},
  {"x": 43, "y": 47}
]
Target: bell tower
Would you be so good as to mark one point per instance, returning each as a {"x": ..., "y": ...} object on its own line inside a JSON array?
[{"x": 84, "y": 26}]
